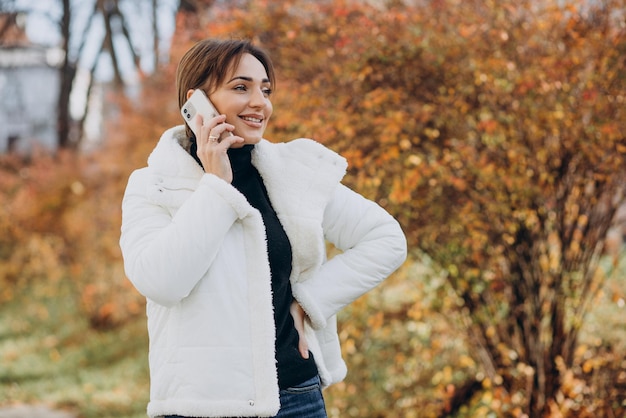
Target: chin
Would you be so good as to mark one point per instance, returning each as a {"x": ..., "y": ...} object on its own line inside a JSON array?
[{"x": 252, "y": 140}]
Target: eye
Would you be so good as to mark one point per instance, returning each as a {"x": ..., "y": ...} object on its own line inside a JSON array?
[
  {"x": 240, "y": 87},
  {"x": 267, "y": 92}
]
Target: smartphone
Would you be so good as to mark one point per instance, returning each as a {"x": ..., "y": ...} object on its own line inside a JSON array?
[{"x": 199, "y": 103}]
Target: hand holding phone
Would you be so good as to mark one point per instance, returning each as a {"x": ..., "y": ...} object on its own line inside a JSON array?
[
  {"x": 210, "y": 153},
  {"x": 199, "y": 104}
]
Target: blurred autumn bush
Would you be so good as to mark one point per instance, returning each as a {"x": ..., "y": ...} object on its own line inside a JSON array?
[{"x": 495, "y": 133}]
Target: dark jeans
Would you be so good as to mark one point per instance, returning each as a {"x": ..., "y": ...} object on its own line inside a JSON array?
[{"x": 301, "y": 401}]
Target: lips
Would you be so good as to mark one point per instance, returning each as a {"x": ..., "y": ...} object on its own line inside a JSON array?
[{"x": 253, "y": 119}]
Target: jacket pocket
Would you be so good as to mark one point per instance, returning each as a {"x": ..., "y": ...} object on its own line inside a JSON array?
[{"x": 310, "y": 385}]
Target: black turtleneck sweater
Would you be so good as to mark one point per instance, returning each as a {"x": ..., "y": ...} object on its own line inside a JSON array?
[{"x": 292, "y": 368}]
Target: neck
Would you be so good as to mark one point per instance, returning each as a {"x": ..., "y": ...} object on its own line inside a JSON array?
[{"x": 241, "y": 160}]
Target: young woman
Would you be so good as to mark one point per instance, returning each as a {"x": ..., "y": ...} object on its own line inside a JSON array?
[{"x": 226, "y": 240}]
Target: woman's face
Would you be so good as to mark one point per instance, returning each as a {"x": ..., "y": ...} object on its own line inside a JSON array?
[{"x": 244, "y": 98}]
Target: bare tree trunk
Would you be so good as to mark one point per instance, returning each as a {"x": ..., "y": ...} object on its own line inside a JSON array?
[{"x": 67, "y": 74}]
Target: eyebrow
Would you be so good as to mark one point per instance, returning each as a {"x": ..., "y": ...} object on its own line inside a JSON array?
[{"x": 249, "y": 79}]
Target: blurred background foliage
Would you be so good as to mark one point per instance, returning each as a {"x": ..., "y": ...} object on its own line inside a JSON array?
[{"x": 495, "y": 133}]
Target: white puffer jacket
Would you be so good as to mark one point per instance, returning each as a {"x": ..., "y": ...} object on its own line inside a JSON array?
[{"x": 195, "y": 248}]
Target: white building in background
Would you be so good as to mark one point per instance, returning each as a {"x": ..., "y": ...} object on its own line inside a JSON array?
[{"x": 29, "y": 92}]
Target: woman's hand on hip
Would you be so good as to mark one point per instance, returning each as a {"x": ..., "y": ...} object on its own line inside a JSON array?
[
  {"x": 212, "y": 148},
  {"x": 299, "y": 316}
]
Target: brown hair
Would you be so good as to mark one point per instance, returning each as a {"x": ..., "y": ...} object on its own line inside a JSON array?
[{"x": 206, "y": 65}]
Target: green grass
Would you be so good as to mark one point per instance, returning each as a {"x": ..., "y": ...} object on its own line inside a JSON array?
[{"x": 50, "y": 355}]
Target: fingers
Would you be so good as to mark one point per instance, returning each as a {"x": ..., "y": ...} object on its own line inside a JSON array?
[
  {"x": 229, "y": 140},
  {"x": 214, "y": 132},
  {"x": 211, "y": 150},
  {"x": 303, "y": 347},
  {"x": 299, "y": 315},
  {"x": 213, "y": 129}
]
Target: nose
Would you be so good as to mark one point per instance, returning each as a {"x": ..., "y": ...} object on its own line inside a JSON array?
[{"x": 258, "y": 99}]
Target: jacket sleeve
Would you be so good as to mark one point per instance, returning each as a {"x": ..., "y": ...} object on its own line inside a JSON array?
[
  {"x": 373, "y": 246},
  {"x": 165, "y": 256}
]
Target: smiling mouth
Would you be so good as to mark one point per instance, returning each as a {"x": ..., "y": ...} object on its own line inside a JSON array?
[{"x": 251, "y": 119}]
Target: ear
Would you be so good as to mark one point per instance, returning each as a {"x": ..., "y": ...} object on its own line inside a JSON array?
[{"x": 189, "y": 93}]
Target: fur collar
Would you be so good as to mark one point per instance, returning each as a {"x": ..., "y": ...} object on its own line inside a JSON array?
[{"x": 300, "y": 177}]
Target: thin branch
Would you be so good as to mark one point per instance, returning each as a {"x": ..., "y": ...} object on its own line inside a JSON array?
[
  {"x": 155, "y": 35},
  {"x": 83, "y": 40},
  {"x": 126, "y": 33}
]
